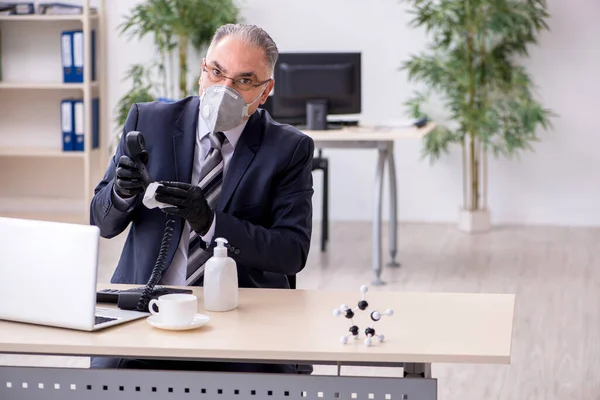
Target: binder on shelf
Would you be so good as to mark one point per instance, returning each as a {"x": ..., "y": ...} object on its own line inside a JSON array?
[
  {"x": 62, "y": 8},
  {"x": 73, "y": 56},
  {"x": 79, "y": 124},
  {"x": 66, "y": 46},
  {"x": 67, "y": 122},
  {"x": 79, "y": 55},
  {"x": 17, "y": 8},
  {"x": 95, "y": 123}
]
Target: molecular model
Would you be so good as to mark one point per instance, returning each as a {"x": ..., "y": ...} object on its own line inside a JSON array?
[{"x": 362, "y": 306}]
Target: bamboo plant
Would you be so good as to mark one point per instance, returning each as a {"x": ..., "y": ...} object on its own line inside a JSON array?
[
  {"x": 471, "y": 67},
  {"x": 177, "y": 26}
]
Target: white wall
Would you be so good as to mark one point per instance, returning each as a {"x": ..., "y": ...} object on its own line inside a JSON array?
[{"x": 558, "y": 184}]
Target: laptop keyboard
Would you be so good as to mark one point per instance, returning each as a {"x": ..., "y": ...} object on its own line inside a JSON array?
[{"x": 101, "y": 320}]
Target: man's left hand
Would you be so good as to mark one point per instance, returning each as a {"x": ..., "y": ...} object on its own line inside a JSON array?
[{"x": 188, "y": 202}]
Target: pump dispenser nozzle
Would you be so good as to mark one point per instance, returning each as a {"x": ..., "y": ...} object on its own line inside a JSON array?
[{"x": 220, "y": 250}]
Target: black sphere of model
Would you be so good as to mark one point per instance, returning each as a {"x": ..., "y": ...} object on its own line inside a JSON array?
[
  {"x": 370, "y": 331},
  {"x": 349, "y": 313},
  {"x": 354, "y": 330},
  {"x": 363, "y": 305}
]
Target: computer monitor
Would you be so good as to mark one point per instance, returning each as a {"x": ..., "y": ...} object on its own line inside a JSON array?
[{"x": 310, "y": 86}]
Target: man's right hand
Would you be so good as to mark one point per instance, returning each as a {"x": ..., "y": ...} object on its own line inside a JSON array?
[{"x": 128, "y": 181}]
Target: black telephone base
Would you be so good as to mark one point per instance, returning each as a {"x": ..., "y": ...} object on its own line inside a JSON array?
[{"x": 128, "y": 299}]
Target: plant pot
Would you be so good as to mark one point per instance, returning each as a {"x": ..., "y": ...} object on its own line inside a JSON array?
[{"x": 474, "y": 221}]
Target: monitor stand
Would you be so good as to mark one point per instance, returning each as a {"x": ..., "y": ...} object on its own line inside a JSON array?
[{"x": 316, "y": 115}]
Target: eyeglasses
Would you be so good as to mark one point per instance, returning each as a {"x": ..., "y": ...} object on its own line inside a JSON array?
[{"x": 215, "y": 75}]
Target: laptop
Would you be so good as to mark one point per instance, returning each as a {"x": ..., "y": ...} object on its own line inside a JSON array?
[{"x": 48, "y": 276}]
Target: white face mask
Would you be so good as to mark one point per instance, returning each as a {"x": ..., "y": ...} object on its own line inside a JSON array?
[{"x": 223, "y": 108}]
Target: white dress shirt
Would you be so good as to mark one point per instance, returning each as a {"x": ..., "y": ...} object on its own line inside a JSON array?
[{"x": 176, "y": 273}]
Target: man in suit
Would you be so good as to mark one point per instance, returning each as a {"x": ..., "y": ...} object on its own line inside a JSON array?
[{"x": 227, "y": 169}]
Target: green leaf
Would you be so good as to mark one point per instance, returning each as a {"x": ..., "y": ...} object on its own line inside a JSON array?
[
  {"x": 469, "y": 64},
  {"x": 415, "y": 105},
  {"x": 174, "y": 26},
  {"x": 140, "y": 92},
  {"x": 437, "y": 143}
]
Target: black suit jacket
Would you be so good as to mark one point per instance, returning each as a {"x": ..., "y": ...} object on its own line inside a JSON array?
[{"x": 265, "y": 208}]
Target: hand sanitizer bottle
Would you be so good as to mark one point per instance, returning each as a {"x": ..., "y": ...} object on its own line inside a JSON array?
[{"x": 220, "y": 280}]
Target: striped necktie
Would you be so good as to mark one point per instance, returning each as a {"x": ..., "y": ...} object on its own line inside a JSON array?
[{"x": 211, "y": 182}]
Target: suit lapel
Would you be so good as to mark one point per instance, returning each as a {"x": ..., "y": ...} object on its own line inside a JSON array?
[
  {"x": 184, "y": 140},
  {"x": 243, "y": 155}
]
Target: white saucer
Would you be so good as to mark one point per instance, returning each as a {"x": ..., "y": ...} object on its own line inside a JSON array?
[{"x": 198, "y": 321}]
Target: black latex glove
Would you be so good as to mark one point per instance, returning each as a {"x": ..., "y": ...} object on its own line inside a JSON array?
[
  {"x": 188, "y": 202},
  {"x": 128, "y": 181}
]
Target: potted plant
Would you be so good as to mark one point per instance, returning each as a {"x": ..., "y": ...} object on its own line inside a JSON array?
[
  {"x": 177, "y": 26},
  {"x": 471, "y": 67}
]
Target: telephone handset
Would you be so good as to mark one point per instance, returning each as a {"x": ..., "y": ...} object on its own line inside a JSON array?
[
  {"x": 136, "y": 149},
  {"x": 138, "y": 298}
]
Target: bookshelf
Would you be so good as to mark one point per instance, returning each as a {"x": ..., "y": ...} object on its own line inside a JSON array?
[
  {"x": 48, "y": 18},
  {"x": 39, "y": 152},
  {"x": 44, "y": 85},
  {"x": 38, "y": 179}
]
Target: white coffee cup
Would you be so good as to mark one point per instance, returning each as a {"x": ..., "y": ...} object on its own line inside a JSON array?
[{"x": 175, "y": 309}]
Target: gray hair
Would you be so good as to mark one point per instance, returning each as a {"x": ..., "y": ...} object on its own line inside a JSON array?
[{"x": 253, "y": 35}]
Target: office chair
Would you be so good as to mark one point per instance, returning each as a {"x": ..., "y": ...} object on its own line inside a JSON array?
[
  {"x": 319, "y": 163},
  {"x": 322, "y": 163},
  {"x": 292, "y": 281}
]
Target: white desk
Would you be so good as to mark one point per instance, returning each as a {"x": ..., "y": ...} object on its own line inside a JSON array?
[
  {"x": 289, "y": 326},
  {"x": 383, "y": 140}
]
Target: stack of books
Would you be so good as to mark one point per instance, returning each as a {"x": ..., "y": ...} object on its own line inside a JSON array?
[
  {"x": 52, "y": 8},
  {"x": 16, "y": 8}
]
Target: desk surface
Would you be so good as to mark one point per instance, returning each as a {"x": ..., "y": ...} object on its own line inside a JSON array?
[
  {"x": 299, "y": 325},
  {"x": 369, "y": 134}
]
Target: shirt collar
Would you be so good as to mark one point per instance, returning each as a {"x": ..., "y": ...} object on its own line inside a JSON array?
[{"x": 232, "y": 135}]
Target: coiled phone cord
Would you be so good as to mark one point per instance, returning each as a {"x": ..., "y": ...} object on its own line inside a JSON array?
[
  {"x": 136, "y": 149},
  {"x": 158, "y": 270}
]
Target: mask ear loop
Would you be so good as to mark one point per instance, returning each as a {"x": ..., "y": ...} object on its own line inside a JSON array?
[
  {"x": 245, "y": 114},
  {"x": 202, "y": 90}
]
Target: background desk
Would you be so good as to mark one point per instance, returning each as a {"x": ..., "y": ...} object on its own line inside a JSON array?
[
  {"x": 289, "y": 326},
  {"x": 383, "y": 140}
]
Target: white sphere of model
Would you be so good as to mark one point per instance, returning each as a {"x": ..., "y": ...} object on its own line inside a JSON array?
[{"x": 375, "y": 315}]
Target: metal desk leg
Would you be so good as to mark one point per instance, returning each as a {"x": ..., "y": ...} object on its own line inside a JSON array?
[
  {"x": 393, "y": 208},
  {"x": 377, "y": 206}
]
